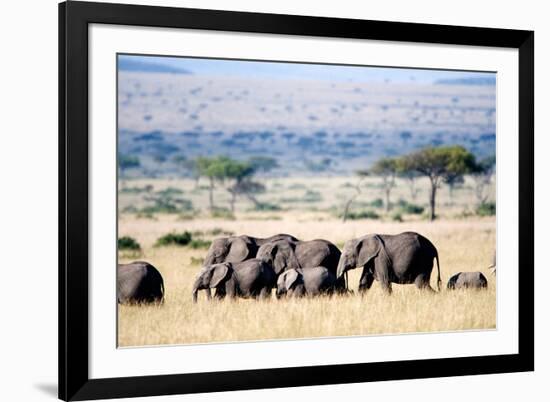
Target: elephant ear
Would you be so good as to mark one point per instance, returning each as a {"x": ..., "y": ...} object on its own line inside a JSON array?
[
  {"x": 238, "y": 250},
  {"x": 284, "y": 257},
  {"x": 219, "y": 273},
  {"x": 367, "y": 249},
  {"x": 291, "y": 277}
]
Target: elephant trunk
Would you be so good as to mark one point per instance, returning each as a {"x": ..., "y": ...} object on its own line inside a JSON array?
[
  {"x": 342, "y": 267},
  {"x": 196, "y": 287}
]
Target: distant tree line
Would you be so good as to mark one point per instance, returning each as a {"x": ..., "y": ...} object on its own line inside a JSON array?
[{"x": 447, "y": 164}]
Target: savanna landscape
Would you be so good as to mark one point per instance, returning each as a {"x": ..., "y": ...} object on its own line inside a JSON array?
[
  {"x": 465, "y": 243},
  {"x": 289, "y": 160}
]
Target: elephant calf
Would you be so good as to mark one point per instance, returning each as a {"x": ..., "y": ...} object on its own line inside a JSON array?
[
  {"x": 464, "y": 280},
  {"x": 306, "y": 282},
  {"x": 250, "y": 278},
  {"x": 139, "y": 282}
]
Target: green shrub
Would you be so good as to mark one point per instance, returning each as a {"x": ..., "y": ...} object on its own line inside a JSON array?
[
  {"x": 486, "y": 209},
  {"x": 409, "y": 208},
  {"x": 168, "y": 205},
  {"x": 265, "y": 218},
  {"x": 199, "y": 243},
  {"x": 377, "y": 203},
  {"x": 160, "y": 208},
  {"x": 128, "y": 243},
  {"x": 136, "y": 190},
  {"x": 312, "y": 196},
  {"x": 397, "y": 217},
  {"x": 363, "y": 215},
  {"x": 179, "y": 239},
  {"x": 169, "y": 192},
  {"x": 266, "y": 206}
]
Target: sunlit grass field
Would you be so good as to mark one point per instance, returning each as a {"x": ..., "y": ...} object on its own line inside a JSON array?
[{"x": 465, "y": 243}]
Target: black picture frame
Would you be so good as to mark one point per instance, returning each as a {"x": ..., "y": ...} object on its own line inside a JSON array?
[{"x": 74, "y": 18}]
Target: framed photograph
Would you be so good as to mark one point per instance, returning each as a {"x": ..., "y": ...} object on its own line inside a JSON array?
[{"x": 258, "y": 200}]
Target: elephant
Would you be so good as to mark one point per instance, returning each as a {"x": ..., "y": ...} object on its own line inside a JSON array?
[
  {"x": 465, "y": 280},
  {"x": 238, "y": 248},
  {"x": 251, "y": 278},
  {"x": 306, "y": 282},
  {"x": 139, "y": 282},
  {"x": 283, "y": 255},
  {"x": 404, "y": 258}
]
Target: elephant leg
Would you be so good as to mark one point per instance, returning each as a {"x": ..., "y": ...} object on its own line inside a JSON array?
[
  {"x": 265, "y": 293},
  {"x": 386, "y": 285},
  {"x": 367, "y": 278},
  {"x": 422, "y": 281},
  {"x": 208, "y": 293},
  {"x": 219, "y": 294},
  {"x": 382, "y": 275},
  {"x": 230, "y": 288},
  {"x": 384, "y": 280}
]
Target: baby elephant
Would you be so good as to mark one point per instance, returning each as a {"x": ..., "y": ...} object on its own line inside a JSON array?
[
  {"x": 251, "y": 278},
  {"x": 463, "y": 280},
  {"x": 139, "y": 282},
  {"x": 306, "y": 282}
]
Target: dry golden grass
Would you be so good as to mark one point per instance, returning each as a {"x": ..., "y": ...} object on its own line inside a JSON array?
[{"x": 464, "y": 245}]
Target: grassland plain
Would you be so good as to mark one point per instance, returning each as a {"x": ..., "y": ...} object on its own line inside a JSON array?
[{"x": 464, "y": 244}]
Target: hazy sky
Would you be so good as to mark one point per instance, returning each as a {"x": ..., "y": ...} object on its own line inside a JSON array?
[{"x": 304, "y": 71}]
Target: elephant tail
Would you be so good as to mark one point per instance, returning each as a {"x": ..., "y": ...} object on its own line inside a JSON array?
[
  {"x": 438, "y": 272},
  {"x": 162, "y": 291}
]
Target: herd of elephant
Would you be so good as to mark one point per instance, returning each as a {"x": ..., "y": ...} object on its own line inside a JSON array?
[{"x": 250, "y": 267}]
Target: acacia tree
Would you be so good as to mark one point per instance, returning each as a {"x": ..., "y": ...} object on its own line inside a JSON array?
[
  {"x": 385, "y": 168},
  {"x": 248, "y": 188},
  {"x": 239, "y": 172},
  {"x": 243, "y": 172},
  {"x": 437, "y": 164},
  {"x": 482, "y": 177},
  {"x": 214, "y": 169},
  {"x": 362, "y": 174},
  {"x": 409, "y": 176}
]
